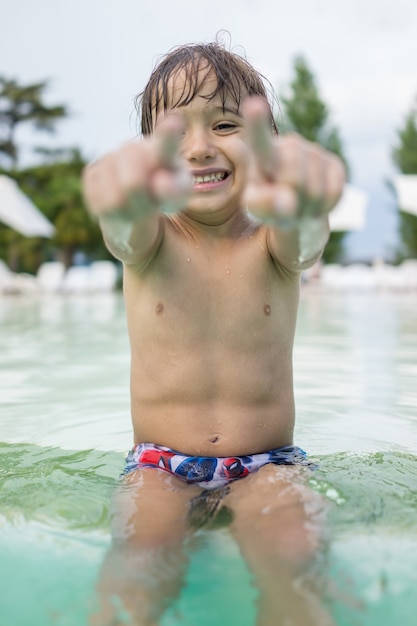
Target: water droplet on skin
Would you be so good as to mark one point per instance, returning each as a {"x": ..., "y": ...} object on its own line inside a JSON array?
[
  {"x": 227, "y": 271},
  {"x": 188, "y": 259},
  {"x": 267, "y": 309},
  {"x": 159, "y": 308}
]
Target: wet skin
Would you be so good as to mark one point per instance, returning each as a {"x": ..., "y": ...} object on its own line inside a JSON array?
[{"x": 211, "y": 299}]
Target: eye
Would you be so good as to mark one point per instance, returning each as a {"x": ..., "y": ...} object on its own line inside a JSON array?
[{"x": 225, "y": 126}]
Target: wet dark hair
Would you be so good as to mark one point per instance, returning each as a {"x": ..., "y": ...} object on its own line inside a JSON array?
[{"x": 236, "y": 78}]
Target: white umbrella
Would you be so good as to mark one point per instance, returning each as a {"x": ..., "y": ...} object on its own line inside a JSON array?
[
  {"x": 406, "y": 187},
  {"x": 18, "y": 212},
  {"x": 350, "y": 212}
]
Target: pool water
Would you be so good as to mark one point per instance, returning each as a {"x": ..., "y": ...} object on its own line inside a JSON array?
[{"x": 64, "y": 430}]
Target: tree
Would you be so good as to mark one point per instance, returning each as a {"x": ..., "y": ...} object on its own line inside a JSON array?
[
  {"x": 404, "y": 156},
  {"x": 20, "y": 104},
  {"x": 307, "y": 114},
  {"x": 405, "y": 153},
  {"x": 55, "y": 188}
]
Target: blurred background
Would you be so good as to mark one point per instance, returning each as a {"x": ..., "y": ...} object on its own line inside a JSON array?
[{"x": 344, "y": 73}]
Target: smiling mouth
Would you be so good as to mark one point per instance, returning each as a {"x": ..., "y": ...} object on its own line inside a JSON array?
[{"x": 215, "y": 177}]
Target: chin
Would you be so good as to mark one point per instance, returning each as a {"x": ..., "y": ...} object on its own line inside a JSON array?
[{"x": 227, "y": 207}]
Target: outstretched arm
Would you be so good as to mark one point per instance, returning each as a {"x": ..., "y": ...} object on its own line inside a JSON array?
[
  {"x": 293, "y": 185},
  {"x": 127, "y": 190}
]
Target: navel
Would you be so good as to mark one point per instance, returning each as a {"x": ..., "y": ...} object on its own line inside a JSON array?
[
  {"x": 267, "y": 309},
  {"x": 159, "y": 308}
]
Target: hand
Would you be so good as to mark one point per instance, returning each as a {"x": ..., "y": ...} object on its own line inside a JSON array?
[
  {"x": 290, "y": 178},
  {"x": 141, "y": 177}
]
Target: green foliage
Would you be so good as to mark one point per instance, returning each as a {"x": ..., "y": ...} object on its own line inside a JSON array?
[
  {"x": 21, "y": 104},
  {"x": 334, "y": 247},
  {"x": 304, "y": 109},
  {"x": 404, "y": 156},
  {"x": 55, "y": 188},
  {"x": 405, "y": 153},
  {"x": 408, "y": 235},
  {"x": 307, "y": 114}
]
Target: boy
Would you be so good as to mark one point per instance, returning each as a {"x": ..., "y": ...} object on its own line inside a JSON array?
[{"x": 211, "y": 296}]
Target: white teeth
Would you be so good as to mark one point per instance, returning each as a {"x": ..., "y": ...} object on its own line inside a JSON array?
[{"x": 209, "y": 178}]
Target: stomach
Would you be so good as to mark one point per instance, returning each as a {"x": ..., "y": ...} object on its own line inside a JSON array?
[
  {"x": 214, "y": 403},
  {"x": 214, "y": 428}
]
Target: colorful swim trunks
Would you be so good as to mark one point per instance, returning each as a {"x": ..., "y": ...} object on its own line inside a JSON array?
[{"x": 209, "y": 472}]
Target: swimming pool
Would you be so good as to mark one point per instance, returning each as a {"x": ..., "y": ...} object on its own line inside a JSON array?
[{"x": 64, "y": 430}]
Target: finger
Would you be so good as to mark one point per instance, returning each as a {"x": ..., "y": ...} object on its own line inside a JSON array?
[
  {"x": 134, "y": 161},
  {"x": 323, "y": 182},
  {"x": 257, "y": 115},
  {"x": 293, "y": 160},
  {"x": 302, "y": 165},
  {"x": 171, "y": 188},
  {"x": 312, "y": 185},
  {"x": 101, "y": 191},
  {"x": 335, "y": 179},
  {"x": 273, "y": 204},
  {"x": 168, "y": 135}
]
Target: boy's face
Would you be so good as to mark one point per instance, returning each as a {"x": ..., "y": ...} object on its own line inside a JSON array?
[{"x": 214, "y": 147}]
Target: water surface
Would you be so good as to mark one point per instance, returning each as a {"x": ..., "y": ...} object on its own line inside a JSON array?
[{"x": 64, "y": 430}]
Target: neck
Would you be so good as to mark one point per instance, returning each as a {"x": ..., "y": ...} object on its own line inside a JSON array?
[{"x": 215, "y": 226}]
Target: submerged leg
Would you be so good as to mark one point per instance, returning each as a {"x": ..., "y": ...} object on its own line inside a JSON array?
[
  {"x": 144, "y": 569},
  {"x": 279, "y": 526}
]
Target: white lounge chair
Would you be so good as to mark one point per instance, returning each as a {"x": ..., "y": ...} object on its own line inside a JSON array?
[
  {"x": 13, "y": 283},
  {"x": 408, "y": 270},
  {"x": 102, "y": 276},
  {"x": 50, "y": 276},
  {"x": 76, "y": 279}
]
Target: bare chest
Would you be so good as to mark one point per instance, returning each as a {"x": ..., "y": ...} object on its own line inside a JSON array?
[{"x": 193, "y": 294}]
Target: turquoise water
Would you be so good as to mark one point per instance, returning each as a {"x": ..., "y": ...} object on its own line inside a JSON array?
[{"x": 64, "y": 429}]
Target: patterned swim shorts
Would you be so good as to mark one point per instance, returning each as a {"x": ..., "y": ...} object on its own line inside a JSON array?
[{"x": 209, "y": 472}]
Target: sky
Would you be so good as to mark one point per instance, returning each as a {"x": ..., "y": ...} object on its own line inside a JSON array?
[{"x": 98, "y": 54}]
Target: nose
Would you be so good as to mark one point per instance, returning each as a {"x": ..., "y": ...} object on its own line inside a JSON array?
[{"x": 197, "y": 145}]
